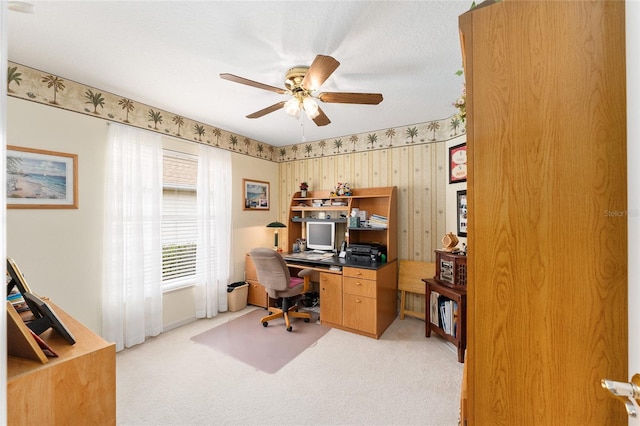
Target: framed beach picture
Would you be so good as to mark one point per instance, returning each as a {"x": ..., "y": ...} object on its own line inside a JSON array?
[
  {"x": 255, "y": 195},
  {"x": 38, "y": 179}
]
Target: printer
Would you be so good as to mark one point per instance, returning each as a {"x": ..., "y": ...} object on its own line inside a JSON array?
[{"x": 366, "y": 252}]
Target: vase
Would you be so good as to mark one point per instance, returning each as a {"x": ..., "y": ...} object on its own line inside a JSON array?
[{"x": 303, "y": 193}]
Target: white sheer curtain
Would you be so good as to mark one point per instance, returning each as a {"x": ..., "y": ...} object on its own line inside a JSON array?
[
  {"x": 213, "y": 258},
  {"x": 132, "y": 276}
]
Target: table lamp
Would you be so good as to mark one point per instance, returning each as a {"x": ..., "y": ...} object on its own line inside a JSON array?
[{"x": 276, "y": 225}]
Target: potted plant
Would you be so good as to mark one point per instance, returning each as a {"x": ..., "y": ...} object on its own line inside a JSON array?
[{"x": 303, "y": 189}]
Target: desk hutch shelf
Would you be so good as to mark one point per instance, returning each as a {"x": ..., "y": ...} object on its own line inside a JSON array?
[{"x": 378, "y": 201}]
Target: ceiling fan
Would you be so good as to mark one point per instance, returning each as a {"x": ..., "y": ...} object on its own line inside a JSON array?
[{"x": 300, "y": 83}]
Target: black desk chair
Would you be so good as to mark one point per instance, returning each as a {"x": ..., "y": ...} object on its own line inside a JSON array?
[{"x": 273, "y": 274}]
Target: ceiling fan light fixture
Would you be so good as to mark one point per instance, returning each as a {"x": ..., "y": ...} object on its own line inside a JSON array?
[
  {"x": 292, "y": 107},
  {"x": 310, "y": 107},
  {"x": 21, "y": 6}
]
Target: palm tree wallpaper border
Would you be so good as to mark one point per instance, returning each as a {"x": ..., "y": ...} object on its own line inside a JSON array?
[{"x": 45, "y": 88}]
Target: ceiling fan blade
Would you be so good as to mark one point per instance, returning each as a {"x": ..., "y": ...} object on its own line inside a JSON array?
[
  {"x": 321, "y": 119},
  {"x": 351, "y": 98},
  {"x": 242, "y": 80},
  {"x": 266, "y": 110},
  {"x": 321, "y": 68}
]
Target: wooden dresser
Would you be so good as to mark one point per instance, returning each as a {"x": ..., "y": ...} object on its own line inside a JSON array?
[{"x": 78, "y": 387}]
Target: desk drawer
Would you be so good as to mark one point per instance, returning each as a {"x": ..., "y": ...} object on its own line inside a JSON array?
[
  {"x": 367, "y": 274},
  {"x": 359, "y": 313},
  {"x": 359, "y": 287}
]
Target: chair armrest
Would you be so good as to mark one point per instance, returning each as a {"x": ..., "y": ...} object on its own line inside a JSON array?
[{"x": 305, "y": 273}]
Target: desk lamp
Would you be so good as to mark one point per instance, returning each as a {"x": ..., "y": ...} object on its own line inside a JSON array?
[{"x": 276, "y": 225}]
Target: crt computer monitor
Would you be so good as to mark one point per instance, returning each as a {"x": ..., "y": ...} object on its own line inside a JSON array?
[{"x": 321, "y": 235}]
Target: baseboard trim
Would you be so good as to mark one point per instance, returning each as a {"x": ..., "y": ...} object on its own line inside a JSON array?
[{"x": 176, "y": 324}]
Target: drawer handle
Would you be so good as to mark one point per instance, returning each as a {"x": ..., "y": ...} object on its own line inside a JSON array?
[
  {"x": 359, "y": 283},
  {"x": 358, "y": 301}
]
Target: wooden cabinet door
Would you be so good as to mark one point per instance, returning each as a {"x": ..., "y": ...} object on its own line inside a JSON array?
[
  {"x": 360, "y": 313},
  {"x": 546, "y": 146},
  {"x": 331, "y": 298},
  {"x": 257, "y": 294}
]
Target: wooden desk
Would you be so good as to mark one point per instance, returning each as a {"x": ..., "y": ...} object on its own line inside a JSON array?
[
  {"x": 358, "y": 300},
  {"x": 78, "y": 387},
  {"x": 362, "y": 300},
  {"x": 449, "y": 292}
]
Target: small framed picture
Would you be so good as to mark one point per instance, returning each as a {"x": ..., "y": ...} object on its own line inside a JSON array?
[
  {"x": 458, "y": 163},
  {"x": 462, "y": 213},
  {"x": 38, "y": 179},
  {"x": 255, "y": 195}
]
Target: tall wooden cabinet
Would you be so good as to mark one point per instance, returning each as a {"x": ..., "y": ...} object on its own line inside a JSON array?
[{"x": 547, "y": 234}]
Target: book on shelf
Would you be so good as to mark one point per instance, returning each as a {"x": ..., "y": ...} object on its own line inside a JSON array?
[
  {"x": 444, "y": 313},
  {"x": 454, "y": 319},
  {"x": 378, "y": 221},
  {"x": 434, "y": 317},
  {"x": 444, "y": 317}
]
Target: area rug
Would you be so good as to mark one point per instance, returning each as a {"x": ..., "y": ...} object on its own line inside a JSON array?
[{"x": 267, "y": 349}]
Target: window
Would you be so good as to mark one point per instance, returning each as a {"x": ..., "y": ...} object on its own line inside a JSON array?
[{"x": 179, "y": 220}]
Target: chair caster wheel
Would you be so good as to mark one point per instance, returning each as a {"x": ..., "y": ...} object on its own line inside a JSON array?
[
  {"x": 306, "y": 320},
  {"x": 289, "y": 328},
  {"x": 264, "y": 324}
]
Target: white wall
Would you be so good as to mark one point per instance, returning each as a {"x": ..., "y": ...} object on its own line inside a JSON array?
[{"x": 60, "y": 251}]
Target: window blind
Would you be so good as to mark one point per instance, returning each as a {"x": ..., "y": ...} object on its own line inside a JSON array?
[{"x": 179, "y": 219}]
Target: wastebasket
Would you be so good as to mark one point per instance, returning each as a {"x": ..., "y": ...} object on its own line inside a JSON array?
[{"x": 237, "y": 294}]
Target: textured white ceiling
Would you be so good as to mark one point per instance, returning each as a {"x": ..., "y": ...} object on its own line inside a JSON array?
[{"x": 169, "y": 54}]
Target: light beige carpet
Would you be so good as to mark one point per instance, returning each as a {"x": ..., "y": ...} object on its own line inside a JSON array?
[
  {"x": 267, "y": 349},
  {"x": 402, "y": 379}
]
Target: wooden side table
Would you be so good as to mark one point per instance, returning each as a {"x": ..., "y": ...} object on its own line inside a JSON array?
[{"x": 440, "y": 293}]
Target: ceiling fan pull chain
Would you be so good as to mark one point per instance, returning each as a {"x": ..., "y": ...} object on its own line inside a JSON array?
[{"x": 302, "y": 127}]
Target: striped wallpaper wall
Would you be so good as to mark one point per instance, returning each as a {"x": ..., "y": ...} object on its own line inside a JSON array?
[{"x": 420, "y": 173}]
